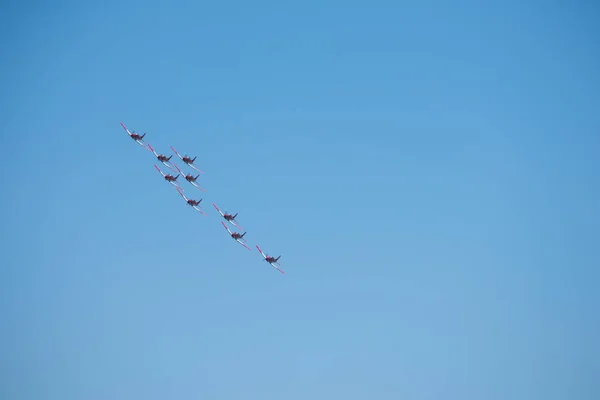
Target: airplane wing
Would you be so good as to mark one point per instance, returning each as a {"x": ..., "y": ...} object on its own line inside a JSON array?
[
  {"x": 198, "y": 186},
  {"x": 226, "y": 228},
  {"x": 152, "y": 149},
  {"x": 240, "y": 242},
  {"x": 167, "y": 164},
  {"x": 218, "y": 210},
  {"x": 124, "y": 127},
  {"x": 158, "y": 169},
  {"x": 232, "y": 222},
  {"x": 280, "y": 270},
  {"x": 180, "y": 190},
  {"x": 176, "y": 153},
  {"x": 199, "y": 210},
  {"x": 261, "y": 252},
  {"x": 194, "y": 167},
  {"x": 177, "y": 168}
]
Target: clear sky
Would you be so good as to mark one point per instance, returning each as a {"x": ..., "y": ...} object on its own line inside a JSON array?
[{"x": 428, "y": 171}]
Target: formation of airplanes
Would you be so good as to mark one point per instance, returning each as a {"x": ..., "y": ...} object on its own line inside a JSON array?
[{"x": 195, "y": 204}]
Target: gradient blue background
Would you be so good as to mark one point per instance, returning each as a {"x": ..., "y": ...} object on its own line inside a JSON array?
[{"x": 429, "y": 171}]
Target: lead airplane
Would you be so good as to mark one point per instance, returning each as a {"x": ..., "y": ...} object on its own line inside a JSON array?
[
  {"x": 139, "y": 139},
  {"x": 271, "y": 260}
]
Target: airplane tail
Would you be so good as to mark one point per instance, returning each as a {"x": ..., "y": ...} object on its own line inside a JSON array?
[
  {"x": 235, "y": 215},
  {"x": 277, "y": 259},
  {"x": 177, "y": 177},
  {"x": 141, "y": 137},
  {"x": 194, "y": 159},
  {"x": 169, "y": 159},
  {"x": 243, "y": 234},
  {"x": 197, "y": 176}
]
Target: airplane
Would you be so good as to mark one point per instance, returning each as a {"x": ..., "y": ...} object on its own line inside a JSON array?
[
  {"x": 188, "y": 160},
  {"x": 192, "y": 203},
  {"x": 228, "y": 217},
  {"x": 162, "y": 158},
  {"x": 169, "y": 178},
  {"x": 190, "y": 178},
  {"x": 271, "y": 260},
  {"x": 139, "y": 139},
  {"x": 238, "y": 237}
]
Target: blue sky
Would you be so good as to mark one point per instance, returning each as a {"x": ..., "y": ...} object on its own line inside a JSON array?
[{"x": 428, "y": 172}]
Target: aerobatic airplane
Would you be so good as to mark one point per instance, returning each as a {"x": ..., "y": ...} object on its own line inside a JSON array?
[
  {"x": 192, "y": 203},
  {"x": 188, "y": 160},
  {"x": 162, "y": 158},
  {"x": 169, "y": 178},
  {"x": 228, "y": 217},
  {"x": 139, "y": 139},
  {"x": 271, "y": 260},
  {"x": 238, "y": 237},
  {"x": 190, "y": 178}
]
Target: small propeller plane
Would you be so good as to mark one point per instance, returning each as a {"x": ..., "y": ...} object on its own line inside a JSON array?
[
  {"x": 238, "y": 237},
  {"x": 192, "y": 203},
  {"x": 169, "y": 178},
  {"x": 188, "y": 160},
  {"x": 162, "y": 158},
  {"x": 190, "y": 178},
  {"x": 139, "y": 139},
  {"x": 228, "y": 217},
  {"x": 271, "y": 260}
]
